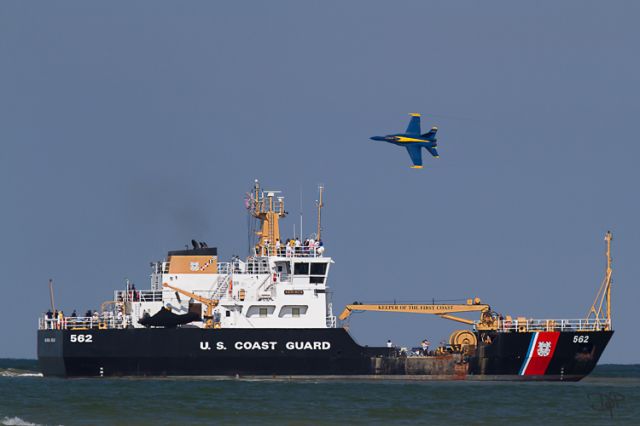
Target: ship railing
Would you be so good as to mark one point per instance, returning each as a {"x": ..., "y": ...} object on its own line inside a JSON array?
[
  {"x": 224, "y": 268},
  {"x": 256, "y": 265},
  {"x": 331, "y": 321},
  {"x": 138, "y": 296},
  {"x": 530, "y": 325},
  {"x": 254, "y": 268},
  {"x": 81, "y": 323},
  {"x": 291, "y": 252},
  {"x": 159, "y": 267},
  {"x": 236, "y": 266}
]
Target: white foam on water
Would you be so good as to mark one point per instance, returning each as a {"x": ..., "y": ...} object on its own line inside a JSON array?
[
  {"x": 17, "y": 421},
  {"x": 18, "y": 373}
]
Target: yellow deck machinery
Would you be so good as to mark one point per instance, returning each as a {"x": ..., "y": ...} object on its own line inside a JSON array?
[
  {"x": 209, "y": 303},
  {"x": 459, "y": 338}
]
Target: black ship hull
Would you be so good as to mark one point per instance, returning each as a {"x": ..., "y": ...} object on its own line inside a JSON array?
[{"x": 309, "y": 352}]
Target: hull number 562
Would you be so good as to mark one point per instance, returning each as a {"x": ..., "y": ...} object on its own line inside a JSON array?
[
  {"x": 580, "y": 339},
  {"x": 81, "y": 338}
]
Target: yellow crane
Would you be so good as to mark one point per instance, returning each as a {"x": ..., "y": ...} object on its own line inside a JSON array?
[
  {"x": 459, "y": 339},
  {"x": 487, "y": 320},
  {"x": 209, "y": 303}
]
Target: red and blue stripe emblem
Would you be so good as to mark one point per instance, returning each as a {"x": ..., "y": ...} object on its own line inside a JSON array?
[{"x": 541, "y": 349}]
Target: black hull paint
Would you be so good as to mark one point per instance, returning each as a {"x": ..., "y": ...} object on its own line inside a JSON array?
[{"x": 296, "y": 352}]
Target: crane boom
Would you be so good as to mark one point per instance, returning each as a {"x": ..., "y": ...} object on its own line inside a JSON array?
[
  {"x": 194, "y": 296},
  {"x": 209, "y": 303},
  {"x": 441, "y": 310}
]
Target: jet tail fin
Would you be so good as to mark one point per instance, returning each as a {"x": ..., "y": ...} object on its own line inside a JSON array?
[
  {"x": 431, "y": 133},
  {"x": 433, "y": 151}
]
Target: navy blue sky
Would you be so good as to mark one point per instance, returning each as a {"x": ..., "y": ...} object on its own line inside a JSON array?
[{"x": 128, "y": 128}]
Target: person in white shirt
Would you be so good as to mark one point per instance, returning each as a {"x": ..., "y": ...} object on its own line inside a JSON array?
[{"x": 425, "y": 347}]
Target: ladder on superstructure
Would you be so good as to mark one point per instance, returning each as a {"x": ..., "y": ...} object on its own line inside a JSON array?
[{"x": 222, "y": 285}]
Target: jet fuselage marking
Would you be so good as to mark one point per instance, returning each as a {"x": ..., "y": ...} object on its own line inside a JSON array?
[{"x": 403, "y": 139}]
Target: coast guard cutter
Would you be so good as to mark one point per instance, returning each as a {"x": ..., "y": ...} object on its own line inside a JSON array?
[{"x": 269, "y": 314}]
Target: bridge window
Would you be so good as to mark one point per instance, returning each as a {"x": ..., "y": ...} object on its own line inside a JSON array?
[
  {"x": 318, "y": 268},
  {"x": 293, "y": 311},
  {"x": 301, "y": 268},
  {"x": 283, "y": 267},
  {"x": 260, "y": 311}
]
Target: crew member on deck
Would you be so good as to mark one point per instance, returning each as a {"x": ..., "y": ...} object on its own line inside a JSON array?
[
  {"x": 425, "y": 347},
  {"x": 60, "y": 319},
  {"x": 48, "y": 318}
]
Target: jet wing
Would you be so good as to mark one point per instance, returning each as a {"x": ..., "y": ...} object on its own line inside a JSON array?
[
  {"x": 433, "y": 151},
  {"x": 414, "y": 125},
  {"x": 416, "y": 156}
]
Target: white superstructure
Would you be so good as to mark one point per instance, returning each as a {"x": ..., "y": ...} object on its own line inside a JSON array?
[
  {"x": 271, "y": 291},
  {"x": 282, "y": 284}
]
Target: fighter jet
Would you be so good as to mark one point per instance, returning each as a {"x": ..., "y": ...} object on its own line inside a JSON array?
[{"x": 414, "y": 141}]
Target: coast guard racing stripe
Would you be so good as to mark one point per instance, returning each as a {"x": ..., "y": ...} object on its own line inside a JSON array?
[{"x": 541, "y": 349}]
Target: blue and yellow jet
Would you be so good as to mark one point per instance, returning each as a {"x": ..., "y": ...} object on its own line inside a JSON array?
[{"x": 414, "y": 141}]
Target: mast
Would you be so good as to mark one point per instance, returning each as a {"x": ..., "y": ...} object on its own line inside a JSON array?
[
  {"x": 600, "y": 310},
  {"x": 608, "y": 239},
  {"x": 268, "y": 209},
  {"x": 319, "y": 205},
  {"x": 53, "y": 304}
]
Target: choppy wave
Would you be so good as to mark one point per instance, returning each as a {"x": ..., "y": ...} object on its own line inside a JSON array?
[
  {"x": 16, "y": 421},
  {"x": 15, "y": 372}
]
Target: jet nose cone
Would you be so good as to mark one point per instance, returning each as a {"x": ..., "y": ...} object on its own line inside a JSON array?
[{"x": 377, "y": 138}]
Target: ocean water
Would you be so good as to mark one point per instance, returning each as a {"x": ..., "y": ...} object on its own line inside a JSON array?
[{"x": 611, "y": 395}]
